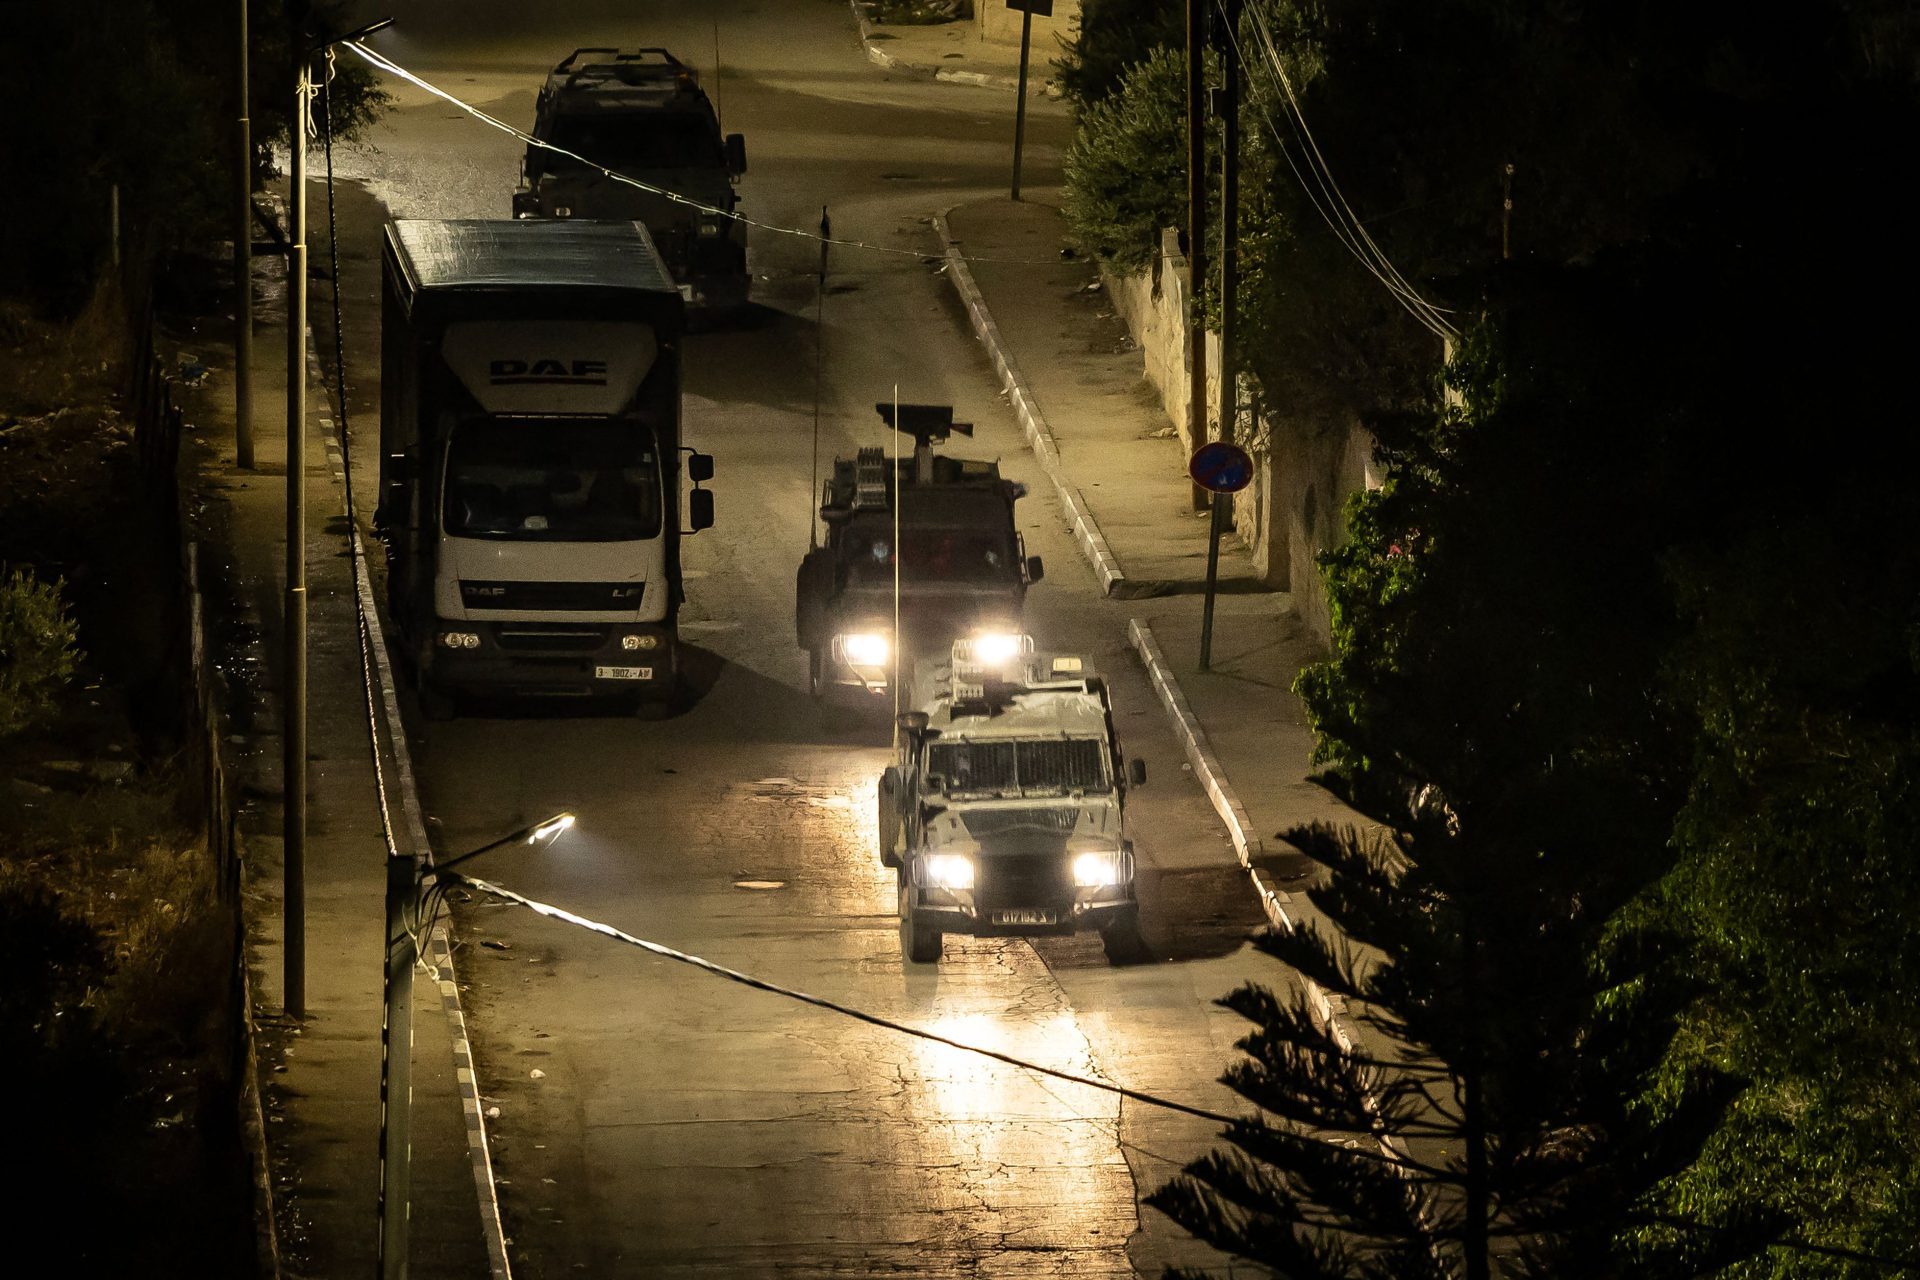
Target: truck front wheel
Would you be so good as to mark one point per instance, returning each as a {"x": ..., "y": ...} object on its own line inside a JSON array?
[{"x": 921, "y": 944}]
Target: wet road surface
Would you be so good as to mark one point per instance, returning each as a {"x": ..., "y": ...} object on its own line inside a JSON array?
[{"x": 679, "y": 1125}]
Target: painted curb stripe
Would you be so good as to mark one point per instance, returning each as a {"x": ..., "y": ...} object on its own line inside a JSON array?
[
  {"x": 1026, "y": 410},
  {"x": 1207, "y": 771},
  {"x": 440, "y": 968}
]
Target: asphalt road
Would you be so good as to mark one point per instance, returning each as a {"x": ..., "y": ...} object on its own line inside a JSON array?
[{"x": 680, "y": 1125}]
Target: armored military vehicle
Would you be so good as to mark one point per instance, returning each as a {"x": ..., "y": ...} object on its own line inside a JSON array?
[
  {"x": 918, "y": 551},
  {"x": 643, "y": 114}
]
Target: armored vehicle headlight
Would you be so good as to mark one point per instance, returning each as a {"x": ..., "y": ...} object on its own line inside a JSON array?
[
  {"x": 866, "y": 649},
  {"x": 1098, "y": 869},
  {"x": 997, "y": 648},
  {"x": 645, "y": 640},
  {"x": 949, "y": 871},
  {"x": 709, "y": 228}
]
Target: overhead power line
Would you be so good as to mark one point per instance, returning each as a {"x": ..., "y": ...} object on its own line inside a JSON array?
[
  {"x": 388, "y": 65},
  {"x": 821, "y": 1002},
  {"x": 1328, "y": 201}
]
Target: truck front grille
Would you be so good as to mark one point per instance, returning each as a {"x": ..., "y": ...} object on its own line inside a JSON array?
[
  {"x": 550, "y": 637},
  {"x": 1021, "y": 880},
  {"x": 581, "y": 597}
]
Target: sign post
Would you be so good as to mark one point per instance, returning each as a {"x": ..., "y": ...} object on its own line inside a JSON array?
[
  {"x": 1027, "y": 9},
  {"x": 1221, "y": 468}
]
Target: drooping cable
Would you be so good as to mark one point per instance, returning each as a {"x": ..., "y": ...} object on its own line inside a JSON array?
[
  {"x": 821, "y": 1002},
  {"x": 388, "y": 65},
  {"x": 344, "y": 435},
  {"x": 1323, "y": 175},
  {"x": 1329, "y": 202}
]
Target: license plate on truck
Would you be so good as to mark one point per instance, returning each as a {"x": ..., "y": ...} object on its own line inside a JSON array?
[
  {"x": 1023, "y": 917},
  {"x": 623, "y": 673}
]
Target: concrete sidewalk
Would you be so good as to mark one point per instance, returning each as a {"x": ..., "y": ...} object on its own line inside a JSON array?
[
  {"x": 957, "y": 52},
  {"x": 320, "y": 1075},
  {"x": 1067, "y": 361}
]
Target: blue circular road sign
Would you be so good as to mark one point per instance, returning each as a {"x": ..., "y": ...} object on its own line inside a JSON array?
[{"x": 1221, "y": 467}]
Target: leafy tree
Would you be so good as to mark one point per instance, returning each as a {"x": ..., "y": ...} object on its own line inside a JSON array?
[
  {"x": 36, "y": 650},
  {"x": 1126, "y": 168},
  {"x": 1798, "y": 872},
  {"x": 1114, "y": 36},
  {"x": 136, "y": 94}
]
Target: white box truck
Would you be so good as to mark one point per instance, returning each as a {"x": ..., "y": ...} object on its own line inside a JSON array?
[{"x": 531, "y": 469}]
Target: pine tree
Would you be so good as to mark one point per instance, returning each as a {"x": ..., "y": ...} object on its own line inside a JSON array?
[{"x": 1500, "y": 619}]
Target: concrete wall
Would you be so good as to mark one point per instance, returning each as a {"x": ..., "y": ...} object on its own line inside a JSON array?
[
  {"x": 1295, "y": 507},
  {"x": 994, "y": 21}
]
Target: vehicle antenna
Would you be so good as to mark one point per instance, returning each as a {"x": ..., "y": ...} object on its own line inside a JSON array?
[
  {"x": 899, "y": 496},
  {"x": 819, "y": 358},
  {"x": 718, "y": 118}
]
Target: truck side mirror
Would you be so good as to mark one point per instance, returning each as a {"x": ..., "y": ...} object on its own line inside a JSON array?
[
  {"x": 700, "y": 509},
  {"x": 736, "y": 154},
  {"x": 1137, "y": 772},
  {"x": 1035, "y": 570},
  {"x": 699, "y": 467}
]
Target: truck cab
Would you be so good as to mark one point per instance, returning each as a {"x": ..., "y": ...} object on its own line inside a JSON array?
[
  {"x": 927, "y": 542},
  {"x": 1004, "y": 813},
  {"x": 642, "y": 114}
]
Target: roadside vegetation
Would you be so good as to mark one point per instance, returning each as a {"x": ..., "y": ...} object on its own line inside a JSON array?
[
  {"x": 1626, "y": 648},
  {"x": 117, "y": 1017}
]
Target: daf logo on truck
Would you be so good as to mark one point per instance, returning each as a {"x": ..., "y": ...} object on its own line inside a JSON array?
[{"x": 578, "y": 373}]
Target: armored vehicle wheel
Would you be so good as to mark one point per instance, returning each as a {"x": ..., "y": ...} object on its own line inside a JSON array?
[
  {"x": 1123, "y": 941},
  {"x": 918, "y": 943},
  {"x": 889, "y": 831}
]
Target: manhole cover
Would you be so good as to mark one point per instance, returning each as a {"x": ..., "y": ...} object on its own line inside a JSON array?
[{"x": 759, "y": 884}]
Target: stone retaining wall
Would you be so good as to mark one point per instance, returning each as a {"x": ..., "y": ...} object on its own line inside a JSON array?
[{"x": 1294, "y": 509}]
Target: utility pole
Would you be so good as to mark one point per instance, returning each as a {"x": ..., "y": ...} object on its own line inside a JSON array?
[
  {"x": 1228, "y": 109},
  {"x": 1196, "y": 221},
  {"x": 408, "y": 923},
  {"x": 293, "y": 734},
  {"x": 243, "y": 265}
]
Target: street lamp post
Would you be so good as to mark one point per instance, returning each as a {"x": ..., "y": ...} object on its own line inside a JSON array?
[
  {"x": 243, "y": 265},
  {"x": 406, "y": 926},
  {"x": 293, "y": 735}
]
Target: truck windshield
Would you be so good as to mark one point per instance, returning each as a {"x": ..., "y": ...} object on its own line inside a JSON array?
[
  {"x": 927, "y": 555},
  {"x": 1049, "y": 766},
  {"x": 552, "y": 481},
  {"x": 651, "y": 140}
]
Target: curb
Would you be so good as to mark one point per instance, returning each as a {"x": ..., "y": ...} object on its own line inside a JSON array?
[
  {"x": 440, "y": 948},
  {"x": 1276, "y": 903},
  {"x": 253, "y": 1123},
  {"x": 951, "y": 75},
  {"x": 1026, "y": 410}
]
